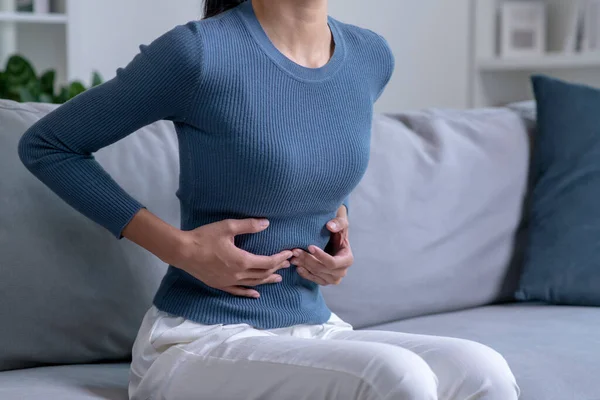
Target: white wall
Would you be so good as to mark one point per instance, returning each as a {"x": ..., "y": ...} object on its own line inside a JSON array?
[
  {"x": 428, "y": 37},
  {"x": 109, "y": 32},
  {"x": 38, "y": 43}
]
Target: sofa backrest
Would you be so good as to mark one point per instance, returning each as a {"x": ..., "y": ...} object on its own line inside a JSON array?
[
  {"x": 70, "y": 292},
  {"x": 434, "y": 220},
  {"x": 432, "y": 229}
]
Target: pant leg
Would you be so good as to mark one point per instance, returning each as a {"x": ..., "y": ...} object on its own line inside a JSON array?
[
  {"x": 175, "y": 359},
  {"x": 464, "y": 369}
]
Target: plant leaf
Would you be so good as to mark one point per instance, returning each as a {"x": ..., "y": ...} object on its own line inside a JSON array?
[
  {"x": 19, "y": 72},
  {"x": 3, "y": 85},
  {"x": 47, "y": 82},
  {"x": 75, "y": 89},
  {"x": 26, "y": 96},
  {"x": 96, "y": 79},
  {"x": 19, "y": 82},
  {"x": 35, "y": 88},
  {"x": 45, "y": 98},
  {"x": 62, "y": 97}
]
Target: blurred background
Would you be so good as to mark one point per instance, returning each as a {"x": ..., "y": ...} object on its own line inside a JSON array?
[{"x": 449, "y": 53}]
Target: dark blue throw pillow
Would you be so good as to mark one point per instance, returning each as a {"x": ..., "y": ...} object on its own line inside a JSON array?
[{"x": 562, "y": 261}]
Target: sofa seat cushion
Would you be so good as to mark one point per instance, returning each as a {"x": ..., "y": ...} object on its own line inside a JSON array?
[
  {"x": 76, "y": 382},
  {"x": 553, "y": 351}
]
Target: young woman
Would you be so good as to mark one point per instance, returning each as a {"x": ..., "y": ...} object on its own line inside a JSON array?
[{"x": 272, "y": 101}]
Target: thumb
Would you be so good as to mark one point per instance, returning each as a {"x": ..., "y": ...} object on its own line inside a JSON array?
[
  {"x": 337, "y": 225},
  {"x": 236, "y": 227}
]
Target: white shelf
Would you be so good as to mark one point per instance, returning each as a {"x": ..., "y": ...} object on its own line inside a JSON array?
[
  {"x": 547, "y": 62},
  {"x": 495, "y": 80},
  {"x": 33, "y": 18}
]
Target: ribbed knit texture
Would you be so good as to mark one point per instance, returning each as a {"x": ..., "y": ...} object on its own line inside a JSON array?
[{"x": 259, "y": 136}]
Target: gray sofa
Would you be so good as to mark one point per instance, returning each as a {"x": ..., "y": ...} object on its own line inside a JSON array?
[{"x": 436, "y": 230}]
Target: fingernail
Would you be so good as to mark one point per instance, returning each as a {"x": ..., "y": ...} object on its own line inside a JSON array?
[
  {"x": 296, "y": 253},
  {"x": 333, "y": 225},
  {"x": 264, "y": 223},
  {"x": 278, "y": 279},
  {"x": 256, "y": 295},
  {"x": 312, "y": 249}
]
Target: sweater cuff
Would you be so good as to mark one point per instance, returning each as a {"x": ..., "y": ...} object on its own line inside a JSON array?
[{"x": 123, "y": 216}]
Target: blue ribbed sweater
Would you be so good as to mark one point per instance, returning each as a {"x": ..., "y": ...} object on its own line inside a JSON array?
[{"x": 259, "y": 136}]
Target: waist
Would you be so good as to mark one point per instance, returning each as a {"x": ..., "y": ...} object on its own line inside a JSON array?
[
  {"x": 294, "y": 301},
  {"x": 283, "y": 233}
]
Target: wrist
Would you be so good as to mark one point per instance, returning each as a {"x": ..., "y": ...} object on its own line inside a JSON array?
[
  {"x": 175, "y": 246},
  {"x": 159, "y": 238}
]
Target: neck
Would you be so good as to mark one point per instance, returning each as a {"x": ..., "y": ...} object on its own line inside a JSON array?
[{"x": 298, "y": 28}]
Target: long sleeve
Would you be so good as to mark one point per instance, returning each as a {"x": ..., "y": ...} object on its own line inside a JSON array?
[{"x": 161, "y": 82}]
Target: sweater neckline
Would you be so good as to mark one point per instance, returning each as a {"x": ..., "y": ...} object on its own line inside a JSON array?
[{"x": 247, "y": 14}]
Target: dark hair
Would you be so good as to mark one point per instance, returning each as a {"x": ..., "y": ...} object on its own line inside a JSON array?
[{"x": 216, "y": 7}]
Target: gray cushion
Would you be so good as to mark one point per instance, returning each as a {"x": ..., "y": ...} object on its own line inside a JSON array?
[
  {"x": 71, "y": 293},
  {"x": 84, "y": 382},
  {"x": 553, "y": 351},
  {"x": 434, "y": 220}
]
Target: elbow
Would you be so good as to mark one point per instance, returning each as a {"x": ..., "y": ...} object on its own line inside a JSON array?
[
  {"x": 40, "y": 149},
  {"x": 31, "y": 148},
  {"x": 26, "y": 149}
]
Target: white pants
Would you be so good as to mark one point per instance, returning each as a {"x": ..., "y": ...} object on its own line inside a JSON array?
[{"x": 176, "y": 359}]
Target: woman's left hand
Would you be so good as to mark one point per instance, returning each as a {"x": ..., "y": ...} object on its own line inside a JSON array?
[{"x": 331, "y": 266}]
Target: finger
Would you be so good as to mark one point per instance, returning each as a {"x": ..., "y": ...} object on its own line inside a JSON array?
[
  {"x": 327, "y": 260},
  {"x": 264, "y": 281},
  {"x": 314, "y": 266},
  {"x": 235, "y": 227},
  {"x": 283, "y": 265},
  {"x": 337, "y": 224},
  {"x": 263, "y": 273},
  {"x": 242, "y": 292},
  {"x": 336, "y": 242},
  {"x": 300, "y": 258},
  {"x": 343, "y": 258},
  {"x": 343, "y": 253},
  {"x": 282, "y": 257},
  {"x": 331, "y": 277},
  {"x": 304, "y": 273},
  {"x": 251, "y": 261}
]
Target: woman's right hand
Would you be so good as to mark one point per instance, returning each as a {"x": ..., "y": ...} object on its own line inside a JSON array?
[{"x": 209, "y": 254}]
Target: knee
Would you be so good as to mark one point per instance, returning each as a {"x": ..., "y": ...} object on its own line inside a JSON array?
[
  {"x": 396, "y": 374},
  {"x": 488, "y": 375}
]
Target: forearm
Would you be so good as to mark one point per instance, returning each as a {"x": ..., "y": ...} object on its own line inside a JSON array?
[
  {"x": 155, "y": 235},
  {"x": 74, "y": 175}
]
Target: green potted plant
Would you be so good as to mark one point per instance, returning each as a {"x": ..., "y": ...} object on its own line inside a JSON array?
[{"x": 19, "y": 82}]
